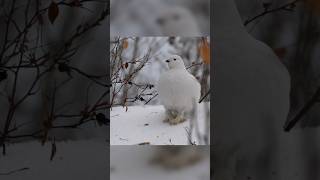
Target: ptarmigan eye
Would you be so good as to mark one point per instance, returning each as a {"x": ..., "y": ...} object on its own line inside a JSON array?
[{"x": 174, "y": 59}]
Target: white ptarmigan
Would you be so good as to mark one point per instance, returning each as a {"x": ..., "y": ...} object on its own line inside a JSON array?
[{"x": 179, "y": 91}]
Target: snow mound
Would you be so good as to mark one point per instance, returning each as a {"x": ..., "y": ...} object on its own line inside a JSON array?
[{"x": 144, "y": 125}]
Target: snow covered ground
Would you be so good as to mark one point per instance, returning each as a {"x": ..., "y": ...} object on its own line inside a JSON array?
[
  {"x": 133, "y": 162},
  {"x": 80, "y": 160},
  {"x": 144, "y": 124}
]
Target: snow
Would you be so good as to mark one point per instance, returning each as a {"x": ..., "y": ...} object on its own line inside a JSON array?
[
  {"x": 80, "y": 160},
  {"x": 133, "y": 162},
  {"x": 144, "y": 124}
]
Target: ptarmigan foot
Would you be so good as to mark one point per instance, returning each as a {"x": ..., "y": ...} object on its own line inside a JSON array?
[
  {"x": 169, "y": 115},
  {"x": 177, "y": 120}
]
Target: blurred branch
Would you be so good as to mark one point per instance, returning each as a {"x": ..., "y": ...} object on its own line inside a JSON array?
[
  {"x": 189, "y": 135},
  {"x": 15, "y": 171},
  {"x": 17, "y": 55},
  {"x": 154, "y": 96},
  {"x": 124, "y": 73},
  {"x": 194, "y": 64},
  {"x": 286, "y": 7},
  {"x": 305, "y": 109}
]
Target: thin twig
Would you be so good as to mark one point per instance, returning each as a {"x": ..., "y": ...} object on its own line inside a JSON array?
[
  {"x": 14, "y": 171},
  {"x": 305, "y": 109},
  {"x": 286, "y": 7},
  {"x": 204, "y": 96}
]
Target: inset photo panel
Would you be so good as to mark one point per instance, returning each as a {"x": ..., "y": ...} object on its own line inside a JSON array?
[
  {"x": 160, "y": 93},
  {"x": 160, "y": 18}
]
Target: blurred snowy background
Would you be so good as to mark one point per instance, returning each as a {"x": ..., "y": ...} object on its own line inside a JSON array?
[
  {"x": 291, "y": 28},
  {"x": 293, "y": 31},
  {"x": 160, "y": 18},
  {"x": 135, "y": 163}
]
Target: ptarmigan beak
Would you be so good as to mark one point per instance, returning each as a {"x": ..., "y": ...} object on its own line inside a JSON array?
[{"x": 167, "y": 60}]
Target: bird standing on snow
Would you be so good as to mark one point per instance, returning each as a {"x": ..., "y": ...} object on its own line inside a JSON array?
[{"x": 179, "y": 91}]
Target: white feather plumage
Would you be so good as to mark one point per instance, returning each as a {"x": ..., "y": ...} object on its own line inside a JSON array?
[{"x": 178, "y": 89}]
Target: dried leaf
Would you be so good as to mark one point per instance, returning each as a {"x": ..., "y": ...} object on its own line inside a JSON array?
[
  {"x": 313, "y": 5},
  {"x": 53, "y": 149},
  {"x": 266, "y": 5},
  {"x": 204, "y": 50},
  {"x": 126, "y": 65},
  {"x": 144, "y": 143},
  {"x": 53, "y": 12},
  {"x": 102, "y": 120},
  {"x": 126, "y": 105},
  {"x": 280, "y": 52},
  {"x": 3, "y": 75},
  {"x": 63, "y": 67},
  {"x": 76, "y": 3},
  {"x": 125, "y": 44}
]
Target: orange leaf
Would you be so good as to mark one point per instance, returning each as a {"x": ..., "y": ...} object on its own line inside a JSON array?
[
  {"x": 53, "y": 12},
  {"x": 204, "y": 50},
  {"x": 313, "y": 5},
  {"x": 125, "y": 44},
  {"x": 126, "y": 65}
]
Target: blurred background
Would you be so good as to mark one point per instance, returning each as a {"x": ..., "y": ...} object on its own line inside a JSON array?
[
  {"x": 293, "y": 31},
  {"x": 53, "y": 69},
  {"x": 54, "y": 89},
  {"x": 142, "y": 162},
  {"x": 160, "y": 18}
]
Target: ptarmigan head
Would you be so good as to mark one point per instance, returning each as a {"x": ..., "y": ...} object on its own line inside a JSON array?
[{"x": 175, "y": 62}]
